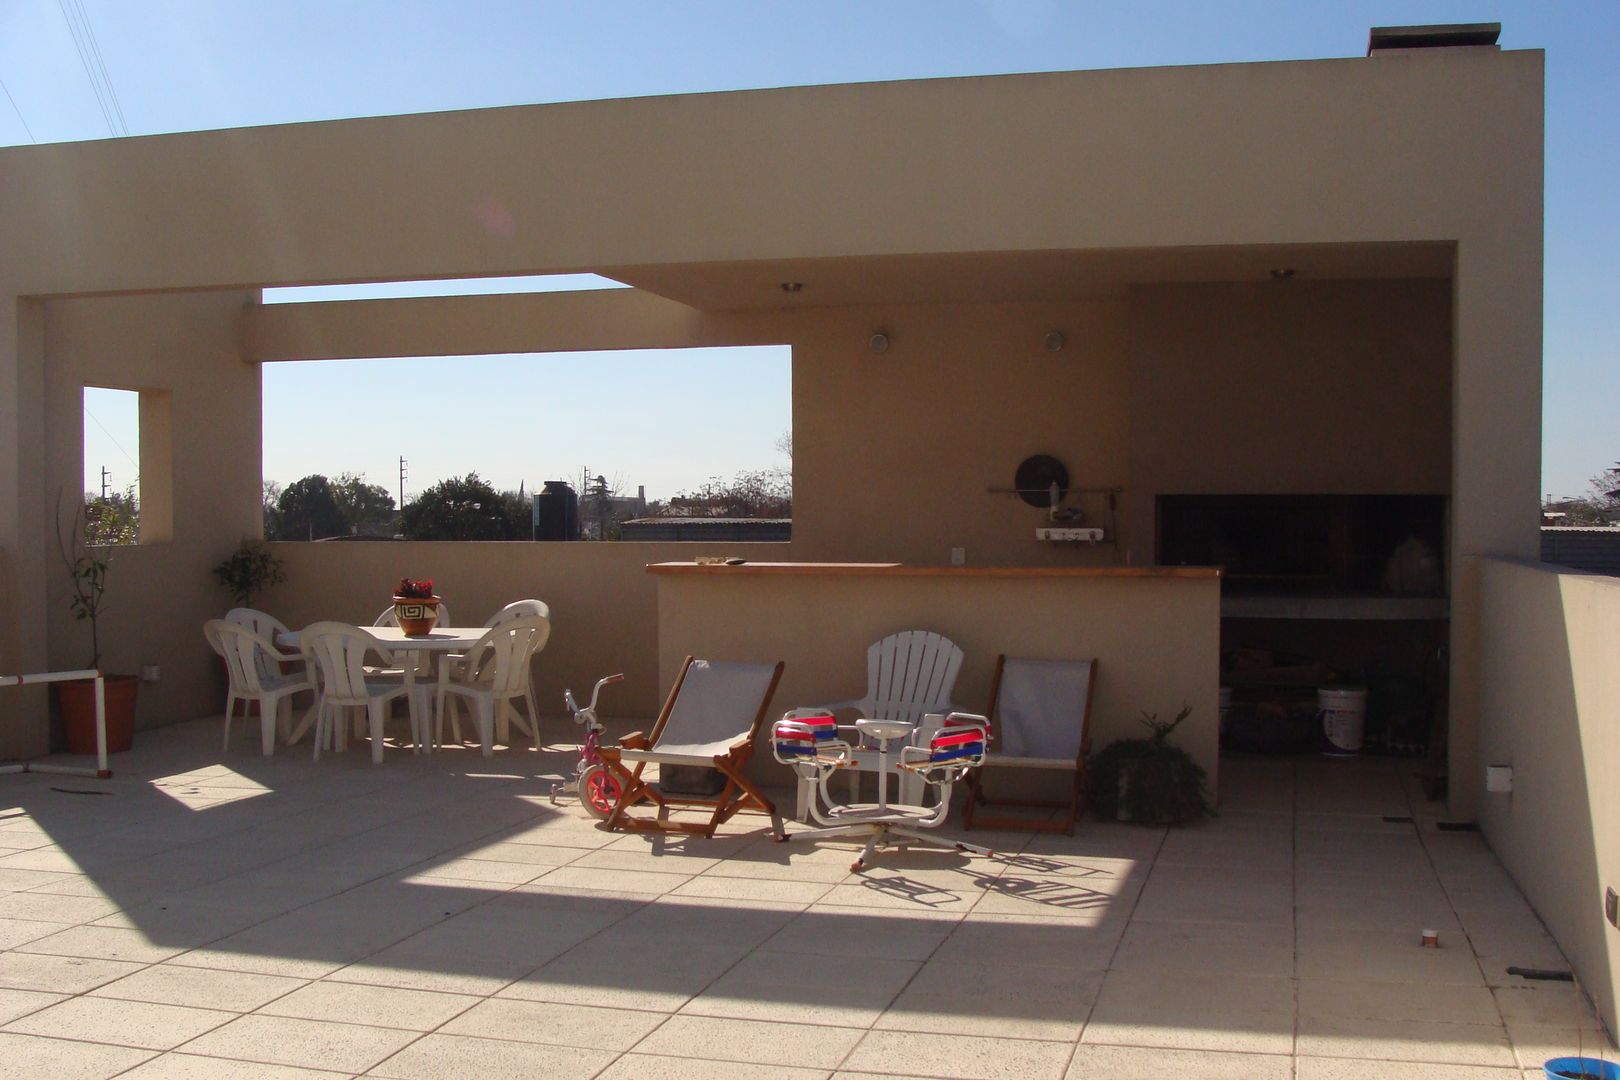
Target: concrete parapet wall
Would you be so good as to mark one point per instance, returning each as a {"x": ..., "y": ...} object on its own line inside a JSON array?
[{"x": 1550, "y": 708}]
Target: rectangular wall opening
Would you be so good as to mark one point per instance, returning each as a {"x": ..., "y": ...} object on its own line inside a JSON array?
[
  {"x": 128, "y": 470},
  {"x": 619, "y": 445}
]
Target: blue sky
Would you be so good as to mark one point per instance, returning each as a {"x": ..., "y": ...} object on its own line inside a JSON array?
[{"x": 181, "y": 65}]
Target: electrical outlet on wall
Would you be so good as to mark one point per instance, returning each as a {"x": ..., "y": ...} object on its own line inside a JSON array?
[{"x": 958, "y": 556}]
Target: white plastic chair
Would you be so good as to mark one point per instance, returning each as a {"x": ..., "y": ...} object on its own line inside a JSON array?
[
  {"x": 909, "y": 675},
  {"x": 266, "y": 626},
  {"x": 517, "y": 609},
  {"x": 248, "y": 656},
  {"x": 492, "y": 674},
  {"x": 340, "y": 651}
]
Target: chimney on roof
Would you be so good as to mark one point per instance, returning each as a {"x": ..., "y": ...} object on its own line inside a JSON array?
[{"x": 1447, "y": 36}]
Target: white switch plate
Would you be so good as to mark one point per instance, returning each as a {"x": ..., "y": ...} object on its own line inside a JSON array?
[
  {"x": 1092, "y": 535},
  {"x": 958, "y": 556}
]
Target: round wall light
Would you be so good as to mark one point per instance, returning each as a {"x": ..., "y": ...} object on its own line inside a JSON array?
[
  {"x": 878, "y": 342},
  {"x": 1055, "y": 341}
]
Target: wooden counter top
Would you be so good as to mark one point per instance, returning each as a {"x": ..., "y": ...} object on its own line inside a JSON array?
[{"x": 899, "y": 570}]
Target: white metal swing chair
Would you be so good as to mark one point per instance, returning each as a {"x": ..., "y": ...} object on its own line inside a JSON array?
[{"x": 809, "y": 742}]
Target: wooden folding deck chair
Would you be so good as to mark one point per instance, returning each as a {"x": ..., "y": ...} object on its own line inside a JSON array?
[
  {"x": 1040, "y": 714},
  {"x": 710, "y": 719}
]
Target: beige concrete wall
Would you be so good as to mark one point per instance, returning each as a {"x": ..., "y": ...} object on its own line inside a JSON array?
[
  {"x": 1156, "y": 640},
  {"x": 1550, "y": 693},
  {"x": 1442, "y": 145},
  {"x": 894, "y": 454},
  {"x": 604, "y": 605},
  {"x": 1287, "y": 387},
  {"x": 187, "y": 347}
]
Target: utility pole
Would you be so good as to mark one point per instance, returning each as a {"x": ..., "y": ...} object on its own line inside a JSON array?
[
  {"x": 104, "y": 477},
  {"x": 402, "y": 486}
]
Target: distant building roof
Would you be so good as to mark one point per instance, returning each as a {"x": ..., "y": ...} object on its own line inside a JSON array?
[
  {"x": 766, "y": 530},
  {"x": 1593, "y": 548}
]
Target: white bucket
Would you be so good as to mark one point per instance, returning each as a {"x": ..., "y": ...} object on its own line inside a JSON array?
[{"x": 1344, "y": 718}]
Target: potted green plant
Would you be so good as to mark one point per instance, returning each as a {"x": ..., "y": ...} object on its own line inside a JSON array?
[
  {"x": 87, "y": 565},
  {"x": 249, "y": 570},
  {"x": 1149, "y": 781}
]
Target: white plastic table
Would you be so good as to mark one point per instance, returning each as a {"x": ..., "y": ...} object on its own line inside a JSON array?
[
  {"x": 392, "y": 640},
  {"x": 885, "y": 732}
]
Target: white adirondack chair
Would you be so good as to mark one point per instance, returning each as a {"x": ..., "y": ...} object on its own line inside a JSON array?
[{"x": 909, "y": 675}]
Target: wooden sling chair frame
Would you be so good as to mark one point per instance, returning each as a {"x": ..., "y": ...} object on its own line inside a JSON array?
[
  {"x": 739, "y": 793},
  {"x": 1077, "y": 794}
]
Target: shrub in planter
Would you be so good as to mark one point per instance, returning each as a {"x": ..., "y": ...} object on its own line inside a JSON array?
[
  {"x": 249, "y": 570},
  {"x": 87, "y": 564},
  {"x": 1149, "y": 781}
]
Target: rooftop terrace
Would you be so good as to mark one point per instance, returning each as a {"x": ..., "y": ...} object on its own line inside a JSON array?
[{"x": 437, "y": 917}]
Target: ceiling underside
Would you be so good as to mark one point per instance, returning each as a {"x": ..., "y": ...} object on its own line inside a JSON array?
[{"x": 1016, "y": 276}]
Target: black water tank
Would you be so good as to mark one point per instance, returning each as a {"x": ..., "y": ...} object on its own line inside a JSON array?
[{"x": 557, "y": 507}]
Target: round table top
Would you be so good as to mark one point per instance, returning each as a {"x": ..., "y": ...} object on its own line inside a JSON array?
[{"x": 885, "y": 729}]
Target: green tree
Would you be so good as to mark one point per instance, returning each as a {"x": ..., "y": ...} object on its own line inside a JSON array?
[
  {"x": 461, "y": 508},
  {"x": 270, "y": 495},
  {"x": 308, "y": 510},
  {"x": 366, "y": 508},
  {"x": 519, "y": 513},
  {"x": 112, "y": 520},
  {"x": 756, "y": 493}
]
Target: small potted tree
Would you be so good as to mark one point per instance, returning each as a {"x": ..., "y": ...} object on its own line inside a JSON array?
[
  {"x": 249, "y": 570},
  {"x": 1149, "y": 781},
  {"x": 87, "y": 564}
]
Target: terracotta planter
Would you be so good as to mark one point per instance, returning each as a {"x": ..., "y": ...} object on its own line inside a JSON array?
[
  {"x": 76, "y": 701},
  {"x": 417, "y": 617}
]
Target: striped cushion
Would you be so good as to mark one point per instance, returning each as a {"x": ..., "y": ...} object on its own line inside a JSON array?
[
  {"x": 953, "y": 743},
  {"x": 802, "y": 735}
]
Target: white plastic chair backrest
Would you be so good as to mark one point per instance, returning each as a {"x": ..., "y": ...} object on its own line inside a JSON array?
[
  {"x": 211, "y": 632},
  {"x": 388, "y": 618},
  {"x": 910, "y": 674},
  {"x": 262, "y": 623},
  {"x": 247, "y": 654},
  {"x": 1041, "y": 708},
  {"x": 719, "y": 699},
  {"x": 502, "y": 654},
  {"x": 339, "y": 650},
  {"x": 266, "y": 626},
  {"x": 517, "y": 609}
]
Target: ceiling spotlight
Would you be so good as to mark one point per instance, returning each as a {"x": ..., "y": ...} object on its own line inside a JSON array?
[
  {"x": 792, "y": 286},
  {"x": 878, "y": 342},
  {"x": 1282, "y": 273},
  {"x": 1055, "y": 341}
]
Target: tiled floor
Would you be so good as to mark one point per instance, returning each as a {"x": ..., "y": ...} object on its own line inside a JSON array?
[{"x": 437, "y": 918}]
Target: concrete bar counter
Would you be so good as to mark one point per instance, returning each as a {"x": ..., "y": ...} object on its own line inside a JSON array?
[{"x": 1155, "y": 631}]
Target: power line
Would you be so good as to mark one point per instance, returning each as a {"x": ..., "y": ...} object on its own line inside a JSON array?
[
  {"x": 82, "y": 42},
  {"x": 18, "y": 111},
  {"x": 101, "y": 65},
  {"x": 113, "y": 439}
]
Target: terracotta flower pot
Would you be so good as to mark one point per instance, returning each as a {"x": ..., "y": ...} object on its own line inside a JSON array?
[
  {"x": 76, "y": 701},
  {"x": 417, "y": 616}
]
